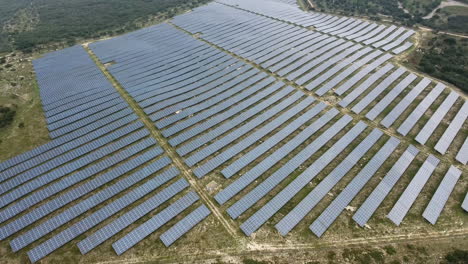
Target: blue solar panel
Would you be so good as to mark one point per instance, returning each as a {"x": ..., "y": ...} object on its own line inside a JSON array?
[
  {"x": 90, "y": 221},
  {"x": 326, "y": 219},
  {"x": 323, "y": 188},
  {"x": 184, "y": 225},
  {"x": 272, "y": 206},
  {"x": 150, "y": 226},
  {"x": 131, "y": 216}
]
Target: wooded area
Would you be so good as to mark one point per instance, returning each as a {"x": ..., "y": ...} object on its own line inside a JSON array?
[{"x": 68, "y": 20}]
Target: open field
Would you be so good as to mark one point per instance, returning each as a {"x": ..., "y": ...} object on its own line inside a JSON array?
[{"x": 240, "y": 133}]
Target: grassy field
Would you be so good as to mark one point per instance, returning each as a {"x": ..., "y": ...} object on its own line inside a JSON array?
[{"x": 19, "y": 91}]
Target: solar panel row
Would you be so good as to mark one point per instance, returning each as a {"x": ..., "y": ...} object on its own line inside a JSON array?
[
  {"x": 279, "y": 175},
  {"x": 436, "y": 118},
  {"x": 288, "y": 222},
  {"x": 419, "y": 111},
  {"x": 90, "y": 221},
  {"x": 250, "y": 176},
  {"x": 327, "y": 217},
  {"x": 184, "y": 225},
  {"x": 272, "y": 206},
  {"x": 200, "y": 141},
  {"x": 131, "y": 216},
  {"x": 345, "y": 27},
  {"x": 440, "y": 197},
  {"x": 29, "y": 184},
  {"x": 253, "y": 154},
  {"x": 150, "y": 226},
  {"x": 88, "y": 91},
  {"x": 452, "y": 130},
  {"x": 411, "y": 192},
  {"x": 465, "y": 203},
  {"x": 373, "y": 201},
  {"x": 85, "y": 174}
]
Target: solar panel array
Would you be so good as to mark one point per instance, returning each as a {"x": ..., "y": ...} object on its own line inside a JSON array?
[
  {"x": 327, "y": 217},
  {"x": 88, "y": 96},
  {"x": 103, "y": 177},
  {"x": 149, "y": 226},
  {"x": 440, "y": 197},
  {"x": 306, "y": 205},
  {"x": 323, "y": 63},
  {"x": 224, "y": 116},
  {"x": 349, "y": 28},
  {"x": 99, "y": 150},
  {"x": 406, "y": 200},
  {"x": 375, "y": 199}
]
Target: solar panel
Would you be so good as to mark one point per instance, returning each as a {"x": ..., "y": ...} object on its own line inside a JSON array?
[
  {"x": 97, "y": 217},
  {"x": 328, "y": 63},
  {"x": 279, "y": 175},
  {"x": 406, "y": 200},
  {"x": 327, "y": 217},
  {"x": 192, "y": 120},
  {"x": 227, "y": 154},
  {"x": 365, "y": 85},
  {"x": 465, "y": 203},
  {"x": 341, "y": 65},
  {"x": 62, "y": 149},
  {"x": 272, "y": 159},
  {"x": 150, "y": 226},
  {"x": 440, "y": 197},
  {"x": 419, "y": 111},
  {"x": 372, "y": 95},
  {"x": 82, "y": 175},
  {"x": 373, "y": 201},
  {"x": 405, "y": 102},
  {"x": 361, "y": 74},
  {"x": 462, "y": 155},
  {"x": 398, "y": 41},
  {"x": 292, "y": 65},
  {"x": 94, "y": 200},
  {"x": 225, "y": 140},
  {"x": 220, "y": 118},
  {"x": 272, "y": 206},
  {"x": 436, "y": 118},
  {"x": 387, "y": 100},
  {"x": 452, "y": 130},
  {"x": 200, "y": 141},
  {"x": 288, "y": 222},
  {"x": 402, "y": 48},
  {"x": 389, "y": 38},
  {"x": 343, "y": 75},
  {"x": 184, "y": 225},
  {"x": 38, "y": 182},
  {"x": 131, "y": 216},
  {"x": 253, "y": 154}
]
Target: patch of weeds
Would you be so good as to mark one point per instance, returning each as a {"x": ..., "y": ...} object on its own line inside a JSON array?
[
  {"x": 253, "y": 261},
  {"x": 457, "y": 257},
  {"x": 390, "y": 250},
  {"x": 377, "y": 256}
]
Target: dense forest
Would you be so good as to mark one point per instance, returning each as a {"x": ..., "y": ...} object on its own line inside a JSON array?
[
  {"x": 28, "y": 24},
  {"x": 405, "y": 12},
  {"x": 376, "y": 9},
  {"x": 446, "y": 58}
]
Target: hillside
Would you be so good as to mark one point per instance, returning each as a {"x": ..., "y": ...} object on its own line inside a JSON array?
[{"x": 27, "y": 24}]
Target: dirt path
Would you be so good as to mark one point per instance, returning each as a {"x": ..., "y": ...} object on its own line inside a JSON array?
[
  {"x": 267, "y": 249},
  {"x": 166, "y": 146},
  {"x": 443, "y": 32},
  {"x": 444, "y": 4}
]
